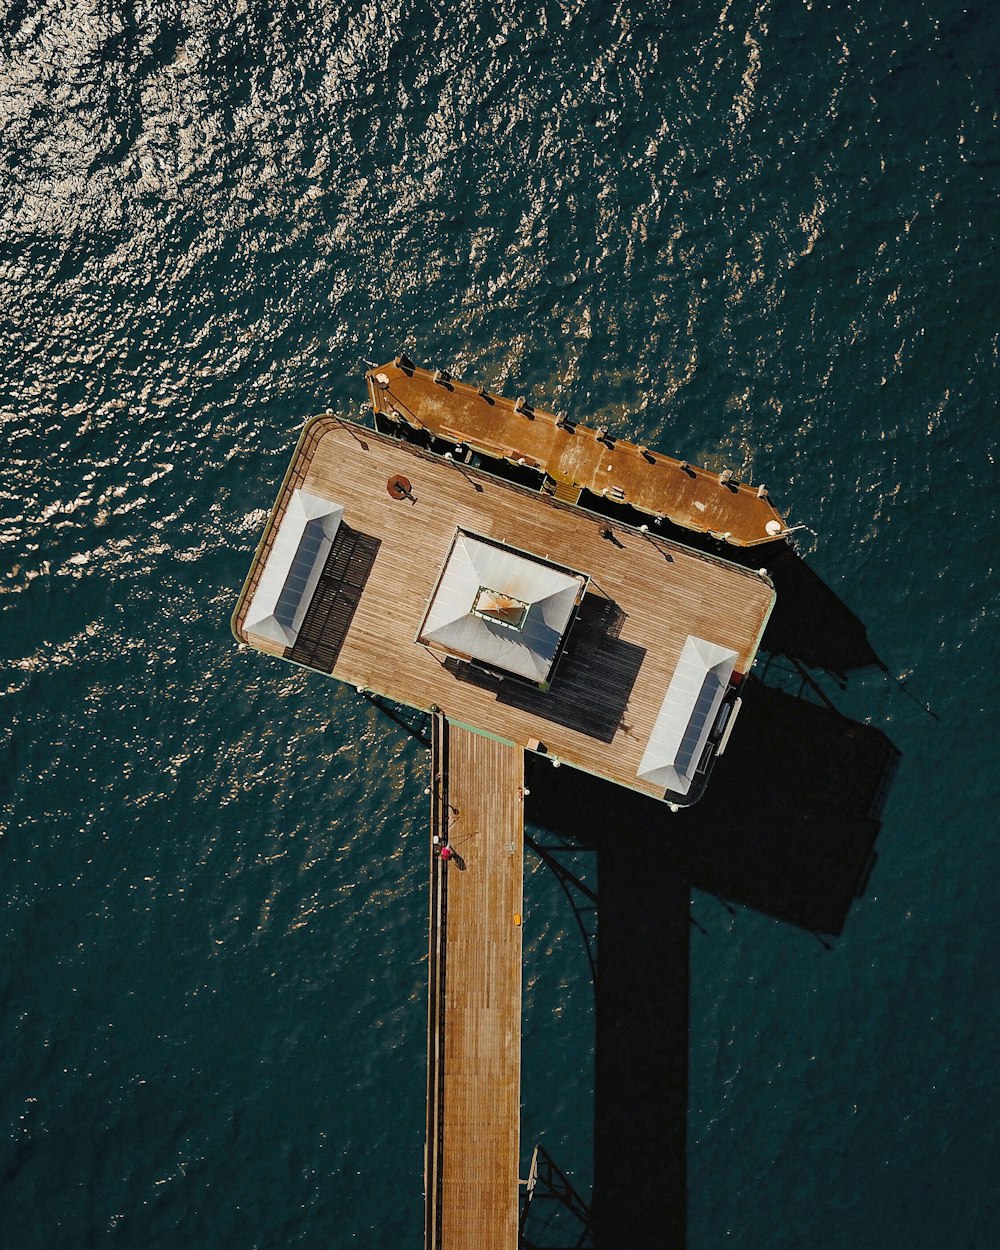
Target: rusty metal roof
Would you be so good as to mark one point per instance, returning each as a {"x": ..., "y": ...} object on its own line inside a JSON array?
[{"x": 574, "y": 455}]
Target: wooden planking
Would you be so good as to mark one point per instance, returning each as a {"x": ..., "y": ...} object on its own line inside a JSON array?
[
  {"x": 480, "y": 1081},
  {"x": 574, "y": 457},
  {"x": 664, "y": 590}
]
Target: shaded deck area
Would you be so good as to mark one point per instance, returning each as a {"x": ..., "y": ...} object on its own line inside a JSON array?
[
  {"x": 474, "y": 988},
  {"x": 574, "y": 457}
]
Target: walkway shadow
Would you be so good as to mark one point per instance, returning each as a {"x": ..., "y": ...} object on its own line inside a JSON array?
[
  {"x": 413, "y": 721},
  {"x": 640, "y": 1047},
  {"x": 787, "y": 826}
]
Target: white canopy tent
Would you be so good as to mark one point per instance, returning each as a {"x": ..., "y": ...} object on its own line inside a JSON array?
[
  {"x": 293, "y": 567},
  {"x": 505, "y": 609},
  {"x": 687, "y": 715}
]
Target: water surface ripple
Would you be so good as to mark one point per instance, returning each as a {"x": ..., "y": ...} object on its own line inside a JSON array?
[{"x": 756, "y": 235}]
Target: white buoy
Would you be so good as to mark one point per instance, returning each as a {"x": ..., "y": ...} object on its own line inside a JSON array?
[{"x": 774, "y": 528}]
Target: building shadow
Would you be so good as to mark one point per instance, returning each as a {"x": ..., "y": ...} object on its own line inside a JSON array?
[
  {"x": 787, "y": 826},
  {"x": 594, "y": 679},
  {"x": 788, "y": 822}
]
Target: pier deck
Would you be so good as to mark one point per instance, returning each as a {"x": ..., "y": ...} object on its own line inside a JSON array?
[
  {"x": 474, "y": 1015},
  {"x": 363, "y": 545},
  {"x": 574, "y": 457},
  {"x": 645, "y": 597}
]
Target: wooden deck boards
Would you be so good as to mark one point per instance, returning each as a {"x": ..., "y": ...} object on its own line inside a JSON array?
[
  {"x": 661, "y": 592},
  {"x": 574, "y": 457},
  {"x": 473, "y": 1175}
]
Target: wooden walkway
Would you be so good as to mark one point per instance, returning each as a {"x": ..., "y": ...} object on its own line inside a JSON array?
[
  {"x": 575, "y": 457},
  {"x": 474, "y": 1008}
]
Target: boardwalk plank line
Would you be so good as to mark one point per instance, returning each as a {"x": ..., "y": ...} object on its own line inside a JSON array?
[{"x": 474, "y": 1036}]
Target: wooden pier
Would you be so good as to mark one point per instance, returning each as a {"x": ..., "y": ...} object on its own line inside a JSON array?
[
  {"x": 474, "y": 992},
  {"x": 645, "y": 597},
  {"x": 370, "y": 546}
]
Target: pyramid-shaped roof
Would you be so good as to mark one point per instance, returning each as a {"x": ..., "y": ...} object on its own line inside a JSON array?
[
  {"x": 504, "y": 608},
  {"x": 687, "y": 714}
]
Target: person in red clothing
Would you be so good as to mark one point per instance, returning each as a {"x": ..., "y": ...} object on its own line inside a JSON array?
[{"x": 446, "y": 852}]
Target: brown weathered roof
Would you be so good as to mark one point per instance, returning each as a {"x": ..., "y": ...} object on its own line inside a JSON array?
[{"x": 574, "y": 455}]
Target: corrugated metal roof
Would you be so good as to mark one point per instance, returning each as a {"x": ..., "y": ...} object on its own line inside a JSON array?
[
  {"x": 474, "y": 565},
  {"x": 293, "y": 567},
  {"x": 687, "y": 714}
]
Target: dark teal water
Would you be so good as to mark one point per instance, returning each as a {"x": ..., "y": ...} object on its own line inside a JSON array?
[{"x": 759, "y": 236}]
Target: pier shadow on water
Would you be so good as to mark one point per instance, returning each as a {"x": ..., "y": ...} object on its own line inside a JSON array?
[
  {"x": 810, "y": 622},
  {"x": 787, "y": 826}
]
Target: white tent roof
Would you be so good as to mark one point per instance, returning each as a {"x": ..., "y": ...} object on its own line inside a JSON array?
[
  {"x": 685, "y": 720},
  {"x": 294, "y": 563},
  {"x": 547, "y": 595}
]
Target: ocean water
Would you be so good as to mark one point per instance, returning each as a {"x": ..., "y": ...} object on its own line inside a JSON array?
[{"x": 759, "y": 236}]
